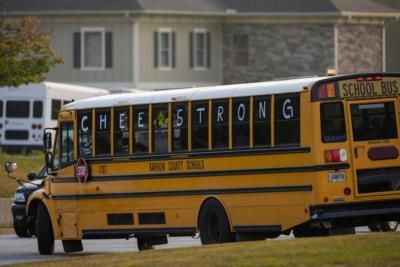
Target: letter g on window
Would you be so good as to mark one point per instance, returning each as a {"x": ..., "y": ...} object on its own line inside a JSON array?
[{"x": 287, "y": 109}]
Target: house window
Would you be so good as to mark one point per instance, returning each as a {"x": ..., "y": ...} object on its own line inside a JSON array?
[
  {"x": 164, "y": 49},
  {"x": 200, "y": 49},
  {"x": 241, "y": 49},
  {"x": 93, "y": 48}
]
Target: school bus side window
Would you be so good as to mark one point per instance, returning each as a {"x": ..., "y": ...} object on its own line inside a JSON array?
[
  {"x": 333, "y": 128},
  {"x": 67, "y": 144},
  {"x": 200, "y": 125},
  {"x": 220, "y": 123},
  {"x": 141, "y": 129},
  {"x": 287, "y": 120},
  {"x": 103, "y": 125},
  {"x": 240, "y": 125},
  {"x": 85, "y": 143},
  {"x": 179, "y": 127},
  {"x": 121, "y": 131},
  {"x": 262, "y": 121},
  {"x": 160, "y": 128}
]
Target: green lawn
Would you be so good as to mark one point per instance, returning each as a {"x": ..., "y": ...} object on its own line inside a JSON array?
[
  {"x": 381, "y": 249},
  {"x": 26, "y": 164}
]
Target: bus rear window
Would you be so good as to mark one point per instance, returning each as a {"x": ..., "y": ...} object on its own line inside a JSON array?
[
  {"x": 373, "y": 121},
  {"x": 17, "y": 109},
  {"x": 333, "y": 128},
  {"x": 37, "y": 109},
  {"x": 1, "y": 108}
]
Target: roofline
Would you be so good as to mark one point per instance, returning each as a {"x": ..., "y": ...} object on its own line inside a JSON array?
[{"x": 227, "y": 13}]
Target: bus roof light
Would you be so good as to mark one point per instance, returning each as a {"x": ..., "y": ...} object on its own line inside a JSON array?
[
  {"x": 331, "y": 90},
  {"x": 378, "y": 78},
  {"x": 360, "y": 79},
  {"x": 322, "y": 92},
  {"x": 369, "y": 79}
]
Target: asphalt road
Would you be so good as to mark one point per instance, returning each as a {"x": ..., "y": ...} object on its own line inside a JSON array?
[{"x": 19, "y": 250}]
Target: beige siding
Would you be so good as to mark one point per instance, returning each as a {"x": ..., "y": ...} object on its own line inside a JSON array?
[
  {"x": 182, "y": 72},
  {"x": 62, "y": 31}
]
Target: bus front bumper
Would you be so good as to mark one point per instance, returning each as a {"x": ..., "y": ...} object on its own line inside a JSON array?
[{"x": 356, "y": 213}]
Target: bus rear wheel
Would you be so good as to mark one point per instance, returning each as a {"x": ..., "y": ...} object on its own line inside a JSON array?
[
  {"x": 214, "y": 224},
  {"x": 386, "y": 226},
  {"x": 44, "y": 231}
]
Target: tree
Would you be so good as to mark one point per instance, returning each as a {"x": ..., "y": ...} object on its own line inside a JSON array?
[{"x": 26, "y": 54}]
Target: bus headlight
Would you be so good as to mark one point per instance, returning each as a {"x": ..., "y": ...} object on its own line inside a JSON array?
[
  {"x": 337, "y": 177},
  {"x": 19, "y": 197}
]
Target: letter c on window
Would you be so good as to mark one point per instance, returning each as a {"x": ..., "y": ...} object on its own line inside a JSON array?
[{"x": 83, "y": 127}]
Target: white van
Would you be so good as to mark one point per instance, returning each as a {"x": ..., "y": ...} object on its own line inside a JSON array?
[{"x": 26, "y": 110}]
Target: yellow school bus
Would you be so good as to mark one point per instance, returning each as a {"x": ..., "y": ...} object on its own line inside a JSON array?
[{"x": 312, "y": 156}]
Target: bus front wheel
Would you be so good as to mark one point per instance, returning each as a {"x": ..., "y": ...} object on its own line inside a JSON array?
[
  {"x": 214, "y": 224},
  {"x": 44, "y": 231}
]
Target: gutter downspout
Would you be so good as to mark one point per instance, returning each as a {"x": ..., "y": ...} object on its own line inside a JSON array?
[{"x": 135, "y": 49}]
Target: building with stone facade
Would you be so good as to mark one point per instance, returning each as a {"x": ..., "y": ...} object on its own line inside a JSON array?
[{"x": 158, "y": 44}]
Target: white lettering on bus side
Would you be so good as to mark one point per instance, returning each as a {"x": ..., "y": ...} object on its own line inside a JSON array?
[
  {"x": 122, "y": 120},
  {"x": 140, "y": 119},
  {"x": 241, "y": 112},
  {"x": 103, "y": 121},
  {"x": 180, "y": 118},
  {"x": 220, "y": 112},
  {"x": 261, "y": 109},
  {"x": 200, "y": 111},
  {"x": 83, "y": 127},
  {"x": 287, "y": 109}
]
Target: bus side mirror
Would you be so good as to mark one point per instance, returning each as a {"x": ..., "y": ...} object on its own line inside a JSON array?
[
  {"x": 10, "y": 167},
  {"x": 49, "y": 161},
  {"x": 47, "y": 142}
]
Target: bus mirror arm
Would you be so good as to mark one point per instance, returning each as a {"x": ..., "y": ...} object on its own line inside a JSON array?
[{"x": 11, "y": 167}]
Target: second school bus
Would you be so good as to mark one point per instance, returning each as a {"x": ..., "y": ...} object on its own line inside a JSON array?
[{"x": 236, "y": 162}]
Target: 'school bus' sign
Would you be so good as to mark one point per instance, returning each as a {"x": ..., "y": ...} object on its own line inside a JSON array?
[{"x": 376, "y": 86}]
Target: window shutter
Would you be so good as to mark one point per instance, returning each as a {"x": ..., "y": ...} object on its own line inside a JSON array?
[
  {"x": 77, "y": 49},
  {"x": 191, "y": 54},
  {"x": 173, "y": 51},
  {"x": 109, "y": 50},
  {"x": 208, "y": 50},
  {"x": 155, "y": 50}
]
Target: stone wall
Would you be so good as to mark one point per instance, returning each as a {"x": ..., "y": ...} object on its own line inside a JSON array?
[
  {"x": 5, "y": 211},
  {"x": 279, "y": 50},
  {"x": 359, "y": 48}
]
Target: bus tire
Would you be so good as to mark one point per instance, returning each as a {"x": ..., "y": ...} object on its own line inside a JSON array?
[
  {"x": 44, "y": 231},
  {"x": 21, "y": 230},
  {"x": 389, "y": 226},
  {"x": 374, "y": 227},
  {"x": 143, "y": 244},
  {"x": 214, "y": 224}
]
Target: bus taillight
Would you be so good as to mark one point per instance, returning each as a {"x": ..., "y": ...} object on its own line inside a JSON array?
[
  {"x": 39, "y": 126},
  {"x": 33, "y": 126},
  {"x": 1, "y": 125},
  {"x": 335, "y": 155}
]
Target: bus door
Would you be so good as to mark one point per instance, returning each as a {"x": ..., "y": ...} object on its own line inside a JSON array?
[{"x": 374, "y": 139}]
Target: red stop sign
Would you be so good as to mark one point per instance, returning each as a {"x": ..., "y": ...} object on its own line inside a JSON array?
[{"x": 81, "y": 170}]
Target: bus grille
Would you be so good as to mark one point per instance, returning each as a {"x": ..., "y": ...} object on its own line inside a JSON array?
[
  {"x": 16, "y": 135},
  {"x": 378, "y": 180}
]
